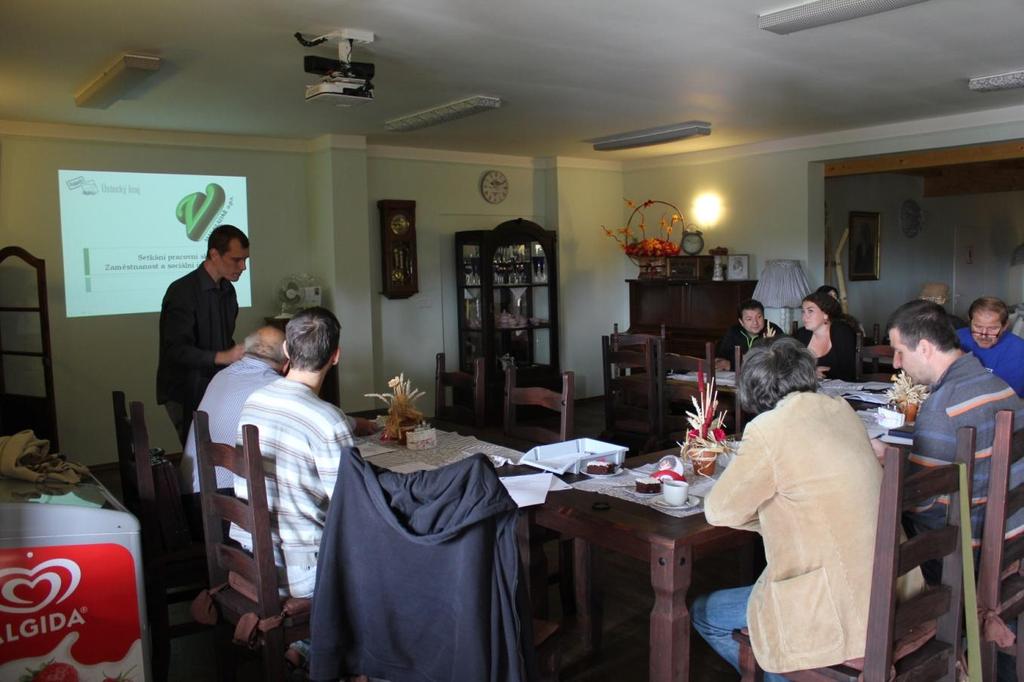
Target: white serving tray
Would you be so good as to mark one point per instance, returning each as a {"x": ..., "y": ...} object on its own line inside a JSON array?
[{"x": 571, "y": 456}]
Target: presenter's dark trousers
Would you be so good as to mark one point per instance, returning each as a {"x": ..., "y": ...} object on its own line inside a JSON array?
[{"x": 176, "y": 411}]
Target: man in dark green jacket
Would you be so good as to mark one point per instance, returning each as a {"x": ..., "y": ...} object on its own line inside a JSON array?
[{"x": 751, "y": 327}]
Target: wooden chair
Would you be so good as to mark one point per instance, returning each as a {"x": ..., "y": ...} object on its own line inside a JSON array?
[
  {"x": 876, "y": 357},
  {"x": 244, "y": 587},
  {"x": 1000, "y": 579},
  {"x": 674, "y": 425},
  {"x": 920, "y": 638},
  {"x": 630, "y": 372},
  {"x": 174, "y": 565},
  {"x": 461, "y": 383},
  {"x": 737, "y": 409},
  {"x": 562, "y": 403}
]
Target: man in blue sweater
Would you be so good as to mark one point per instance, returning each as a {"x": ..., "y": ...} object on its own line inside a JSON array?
[{"x": 1001, "y": 352}]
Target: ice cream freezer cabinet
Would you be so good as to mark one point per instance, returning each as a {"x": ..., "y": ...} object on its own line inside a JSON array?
[{"x": 71, "y": 585}]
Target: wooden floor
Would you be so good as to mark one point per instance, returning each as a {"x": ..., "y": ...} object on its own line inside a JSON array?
[{"x": 623, "y": 583}]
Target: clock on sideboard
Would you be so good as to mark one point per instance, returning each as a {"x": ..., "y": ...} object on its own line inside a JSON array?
[{"x": 398, "y": 248}]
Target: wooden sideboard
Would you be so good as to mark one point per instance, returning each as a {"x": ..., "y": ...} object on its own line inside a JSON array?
[{"x": 692, "y": 312}]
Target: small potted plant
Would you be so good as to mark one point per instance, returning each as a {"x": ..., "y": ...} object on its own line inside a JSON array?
[
  {"x": 402, "y": 413},
  {"x": 906, "y": 395},
  {"x": 705, "y": 440}
]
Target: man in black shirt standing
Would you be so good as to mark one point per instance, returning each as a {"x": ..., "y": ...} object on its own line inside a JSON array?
[
  {"x": 197, "y": 325},
  {"x": 751, "y": 327}
]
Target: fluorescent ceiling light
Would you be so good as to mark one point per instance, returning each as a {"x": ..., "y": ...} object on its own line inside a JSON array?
[
  {"x": 651, "y": 136},
  {"x": 444, "y": 113},
  {"x": 114, "y": 82},
  {"x": 821, "y": 12},
  {"x": 1001, "y": 81}
]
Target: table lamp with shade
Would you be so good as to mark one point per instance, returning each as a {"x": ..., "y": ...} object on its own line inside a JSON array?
[{"x": 781, "y": 290}]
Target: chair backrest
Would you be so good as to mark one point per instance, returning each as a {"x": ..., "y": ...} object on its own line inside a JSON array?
[
  {"x": 461, "y": 383},
  {"x": 674, "y": 423},
  {"x": 126, "y": 453},
  {"x": 562, "y": 403},
  {"x": 152, "y": 484},
  {"x": 675, "y": 362},
  {"x": 877, "y": 358},
  {"x": 630, "y": 372},
  {"x": 252, "y": 515},
  {"x": 737, "y": 410},
  {"x": 1000, "y": 590},
  {"x": 890, "y": 624}
]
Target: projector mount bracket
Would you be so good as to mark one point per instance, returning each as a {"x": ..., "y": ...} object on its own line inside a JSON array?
[{"x": 346, "y": 38}]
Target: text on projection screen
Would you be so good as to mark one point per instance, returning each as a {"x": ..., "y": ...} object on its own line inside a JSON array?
[{"x": 126, "y": 236}]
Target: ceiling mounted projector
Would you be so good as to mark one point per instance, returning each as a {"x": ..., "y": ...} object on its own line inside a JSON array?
[{"x": 345, "y": 82}]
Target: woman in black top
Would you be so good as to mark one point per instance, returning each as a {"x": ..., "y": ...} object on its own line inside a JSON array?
[{"x": 828, "y": 337}]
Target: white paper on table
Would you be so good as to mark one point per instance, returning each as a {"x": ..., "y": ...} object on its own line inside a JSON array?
[
  {"x": 875, "y": 398},
  {"x": 368, "y": 448},
  {"x": 532, "y": 489},
  {"x": 723, "y": 377},
  {"x": 870, "y": 420},
  {"x": 410, "y": 467}
]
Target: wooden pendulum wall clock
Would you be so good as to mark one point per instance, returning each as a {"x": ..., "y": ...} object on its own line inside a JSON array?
[{"x": 398, "y": 247}]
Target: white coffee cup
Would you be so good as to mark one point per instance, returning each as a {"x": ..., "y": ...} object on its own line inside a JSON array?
[{"x": 675, "y": 492}]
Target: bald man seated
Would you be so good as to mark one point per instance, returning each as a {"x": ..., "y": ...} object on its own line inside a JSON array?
[{"x": 263, "y": 362}]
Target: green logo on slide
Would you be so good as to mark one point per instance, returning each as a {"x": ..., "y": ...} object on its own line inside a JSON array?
[{"x": 197, "y": 210}]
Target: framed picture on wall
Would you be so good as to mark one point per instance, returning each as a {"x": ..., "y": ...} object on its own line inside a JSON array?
[
  {"x": 738, "y": 267},
  {"x": 865, "y": 245}
]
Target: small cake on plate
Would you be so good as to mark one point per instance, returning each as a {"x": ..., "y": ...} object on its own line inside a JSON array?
[
  {"x": 648, "y": 486},
  {"x": 600, "y": 467}
]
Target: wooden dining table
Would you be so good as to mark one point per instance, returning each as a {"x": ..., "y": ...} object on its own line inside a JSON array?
[{"x": 668, "y": 544}]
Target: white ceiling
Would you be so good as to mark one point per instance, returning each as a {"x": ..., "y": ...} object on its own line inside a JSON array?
[{"x": 567, "y": 70}]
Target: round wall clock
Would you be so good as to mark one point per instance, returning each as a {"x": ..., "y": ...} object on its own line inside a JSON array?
[
  {"x": 494, "y": 186},
  {"x": 693, "y": 243},
  {"x": 911, "y": 218}
]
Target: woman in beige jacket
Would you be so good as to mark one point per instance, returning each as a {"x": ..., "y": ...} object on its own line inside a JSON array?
[{"x": 806, "y": 478}]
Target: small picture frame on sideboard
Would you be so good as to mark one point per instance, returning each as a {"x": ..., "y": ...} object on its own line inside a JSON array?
[{"x": 738, "y": 267}]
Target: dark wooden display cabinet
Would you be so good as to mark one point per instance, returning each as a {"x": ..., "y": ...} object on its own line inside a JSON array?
[
  {"x": 508, "y": 305},
  {"x": 692, "y": 312}
]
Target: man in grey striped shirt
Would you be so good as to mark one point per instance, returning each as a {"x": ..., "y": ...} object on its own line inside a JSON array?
[{"x": 301, "y": 439}]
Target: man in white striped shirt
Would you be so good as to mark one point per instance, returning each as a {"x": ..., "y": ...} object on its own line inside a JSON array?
[{"x": 301, "y": 439}]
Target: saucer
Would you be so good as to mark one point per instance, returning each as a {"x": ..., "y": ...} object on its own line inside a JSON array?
[{"x": 691, "y": 502}]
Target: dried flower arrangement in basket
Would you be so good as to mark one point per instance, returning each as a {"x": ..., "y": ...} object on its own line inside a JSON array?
[
  {"x": 906, "y": 394},
  {"x": 646, "y": 250},
  {"x": 705, "y": 440},
  {"x": 402, "y": 413}
]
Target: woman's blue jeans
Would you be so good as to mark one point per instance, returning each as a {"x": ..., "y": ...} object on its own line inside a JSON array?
[{"x": 716, "y": 615}]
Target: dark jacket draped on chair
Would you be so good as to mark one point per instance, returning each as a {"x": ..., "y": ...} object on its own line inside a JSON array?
[{"x": 419, "y": 578}]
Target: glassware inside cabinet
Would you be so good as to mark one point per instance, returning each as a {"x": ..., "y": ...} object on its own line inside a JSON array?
[
  {"x": 538, "y": 263},
  {"x": 511, "y": 264},
  {"x": 471, "y": 265},
  {"x": 472, "y": 313}
]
